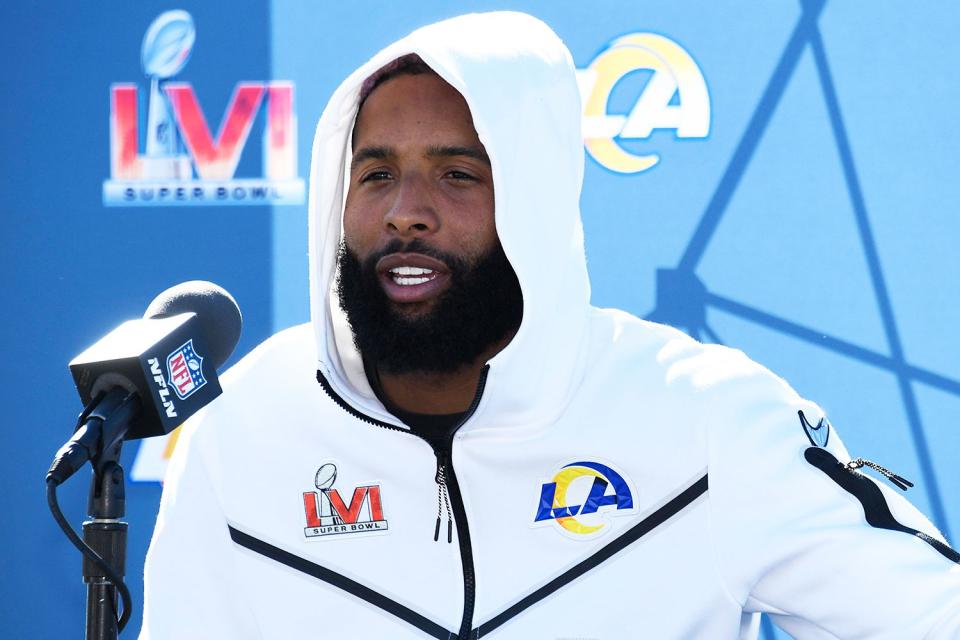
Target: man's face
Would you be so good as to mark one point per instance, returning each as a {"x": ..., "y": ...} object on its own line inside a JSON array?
[
  {"x": 419, "y": 172},
  {"x": 423, "y": 278}
]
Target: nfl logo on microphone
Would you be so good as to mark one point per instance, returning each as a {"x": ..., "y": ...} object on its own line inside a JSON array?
[{"x": 185, "y": 370}]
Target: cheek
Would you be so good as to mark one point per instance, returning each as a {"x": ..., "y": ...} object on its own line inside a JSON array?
[
  {"x": 487, "y": 234},
  {"x": 481, "y": 227},
  {"x": 470, "y": 217},
  {"x": 356, "y": 226},
  {"x": 472, "y": 242}
]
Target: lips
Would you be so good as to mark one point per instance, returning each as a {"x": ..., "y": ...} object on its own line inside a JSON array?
[{"x": 412, "y": 277}]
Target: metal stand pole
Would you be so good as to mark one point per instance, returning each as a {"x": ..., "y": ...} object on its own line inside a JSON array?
[{"x": 107, "y": 535}]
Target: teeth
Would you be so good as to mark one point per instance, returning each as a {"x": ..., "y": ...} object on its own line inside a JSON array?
[
  {"x": 410, "y": 271},
  {"x": 409, "y": 281}
]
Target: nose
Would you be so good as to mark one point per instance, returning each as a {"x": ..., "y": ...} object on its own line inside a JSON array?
[{"x": 413, "y": 212}]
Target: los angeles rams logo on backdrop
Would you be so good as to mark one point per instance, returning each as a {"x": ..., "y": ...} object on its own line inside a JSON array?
[
  {"x": 675, "y": 97},
  {"x": 581, "y": 496}
]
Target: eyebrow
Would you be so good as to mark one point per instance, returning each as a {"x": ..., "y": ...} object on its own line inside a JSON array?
[
  {"x": 370, "y": 153},
  {"x": 449, "y": 151},
  {"x": 433, "y": 151}
]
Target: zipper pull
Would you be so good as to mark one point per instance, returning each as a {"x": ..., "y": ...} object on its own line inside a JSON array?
[
  {"x": 442, "y": 498},
  {"x": 900, "y": 481}
]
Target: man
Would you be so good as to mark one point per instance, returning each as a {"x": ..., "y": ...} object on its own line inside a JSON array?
[{"x": 460, "y": 446}]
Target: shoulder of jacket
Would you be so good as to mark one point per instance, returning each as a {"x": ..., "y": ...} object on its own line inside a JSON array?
[
  {"x": 622, "y": 336},
  {"x": 719, "y": 378},
  {"x": 293, "y": 347},
  {"x": 284, "y": 362},
  {"x": 615, "y": 333}
]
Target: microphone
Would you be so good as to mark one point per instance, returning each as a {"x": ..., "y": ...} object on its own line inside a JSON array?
[{"x": 147, "y": 376}]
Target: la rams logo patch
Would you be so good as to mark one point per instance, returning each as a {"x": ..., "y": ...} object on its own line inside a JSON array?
[
  {"x": 581, "y": 497},
  {"x": 328, "y": 514},
  {"x": 818, "y": 435}
]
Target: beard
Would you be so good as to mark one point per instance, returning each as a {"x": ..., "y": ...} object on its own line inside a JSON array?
[{"x": 482, "y": 306}]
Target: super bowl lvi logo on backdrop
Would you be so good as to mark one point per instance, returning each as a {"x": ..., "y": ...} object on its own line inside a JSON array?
[
  {"x": 674, "y": 98},
  {"x": 183, "y": 163}
]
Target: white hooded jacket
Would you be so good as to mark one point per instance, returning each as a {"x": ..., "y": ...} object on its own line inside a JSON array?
[{"x": 614, "y": 478}]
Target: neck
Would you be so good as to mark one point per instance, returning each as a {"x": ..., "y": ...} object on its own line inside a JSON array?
[{"x": 438, "y": 393}]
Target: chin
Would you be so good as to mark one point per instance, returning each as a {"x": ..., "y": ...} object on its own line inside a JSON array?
[{"x": 413, "y": 310}]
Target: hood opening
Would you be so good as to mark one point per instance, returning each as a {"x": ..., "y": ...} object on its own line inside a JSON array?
[{"x": 518, "y": 80}]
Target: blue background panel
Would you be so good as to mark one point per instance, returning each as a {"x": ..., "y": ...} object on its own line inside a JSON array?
[{"x": 75, "y": 269}]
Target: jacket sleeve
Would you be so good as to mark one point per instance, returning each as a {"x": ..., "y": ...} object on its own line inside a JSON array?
[
  {"x": 826, "y": 550},
  {"x": 190, "y": 585}
]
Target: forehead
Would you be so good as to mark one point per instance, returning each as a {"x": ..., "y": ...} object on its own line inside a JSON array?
[{"x": 411, "y": 107}]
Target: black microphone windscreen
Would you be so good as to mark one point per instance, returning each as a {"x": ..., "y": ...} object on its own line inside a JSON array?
[{"x": 217, "y": 312}]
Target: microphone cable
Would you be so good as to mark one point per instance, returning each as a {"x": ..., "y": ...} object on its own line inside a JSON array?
[{"x": 84, "y": 548}]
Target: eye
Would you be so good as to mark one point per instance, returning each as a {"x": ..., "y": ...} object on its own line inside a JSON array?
[
  {"x": 460, "y": 175},
  {"x": 376, "y": 175}
]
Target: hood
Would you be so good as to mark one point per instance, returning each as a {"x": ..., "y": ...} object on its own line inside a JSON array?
[{"x": 519, "y": 82}]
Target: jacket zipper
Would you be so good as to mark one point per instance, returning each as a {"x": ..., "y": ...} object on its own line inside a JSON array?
[{"x": 447, "y": 482}]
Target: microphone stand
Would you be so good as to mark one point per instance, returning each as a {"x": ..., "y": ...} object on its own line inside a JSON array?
[
  {"x": 104, "y": 424},
  {"x": 107, "y": 535}
]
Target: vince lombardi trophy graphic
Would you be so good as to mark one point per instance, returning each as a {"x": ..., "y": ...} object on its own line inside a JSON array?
[
  {"x": 165, "y": 51},
  {"x": 326, "y": 476}
]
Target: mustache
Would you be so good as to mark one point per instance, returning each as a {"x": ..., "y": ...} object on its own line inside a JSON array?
[{"x": 454, "y": 263}]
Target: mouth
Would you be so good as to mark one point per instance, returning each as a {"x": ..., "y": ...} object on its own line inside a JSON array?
[{"x": 412, "y": 277}]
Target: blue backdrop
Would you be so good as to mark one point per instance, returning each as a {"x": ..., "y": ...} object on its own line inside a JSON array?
[
  {"x": 813, "y": 226},
  {"x": 75, "y": 269}
]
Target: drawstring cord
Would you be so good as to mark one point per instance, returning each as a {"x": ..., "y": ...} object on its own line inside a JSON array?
[
  {"x": 900, "y": 481},
  {"x": 443, "y": 499}
]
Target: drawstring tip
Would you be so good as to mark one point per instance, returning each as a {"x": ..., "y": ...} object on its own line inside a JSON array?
[
  {"x": 449, "y": 531},
  {"x": 436, "y": 531},
  {"x": 901, "y": 482}
]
